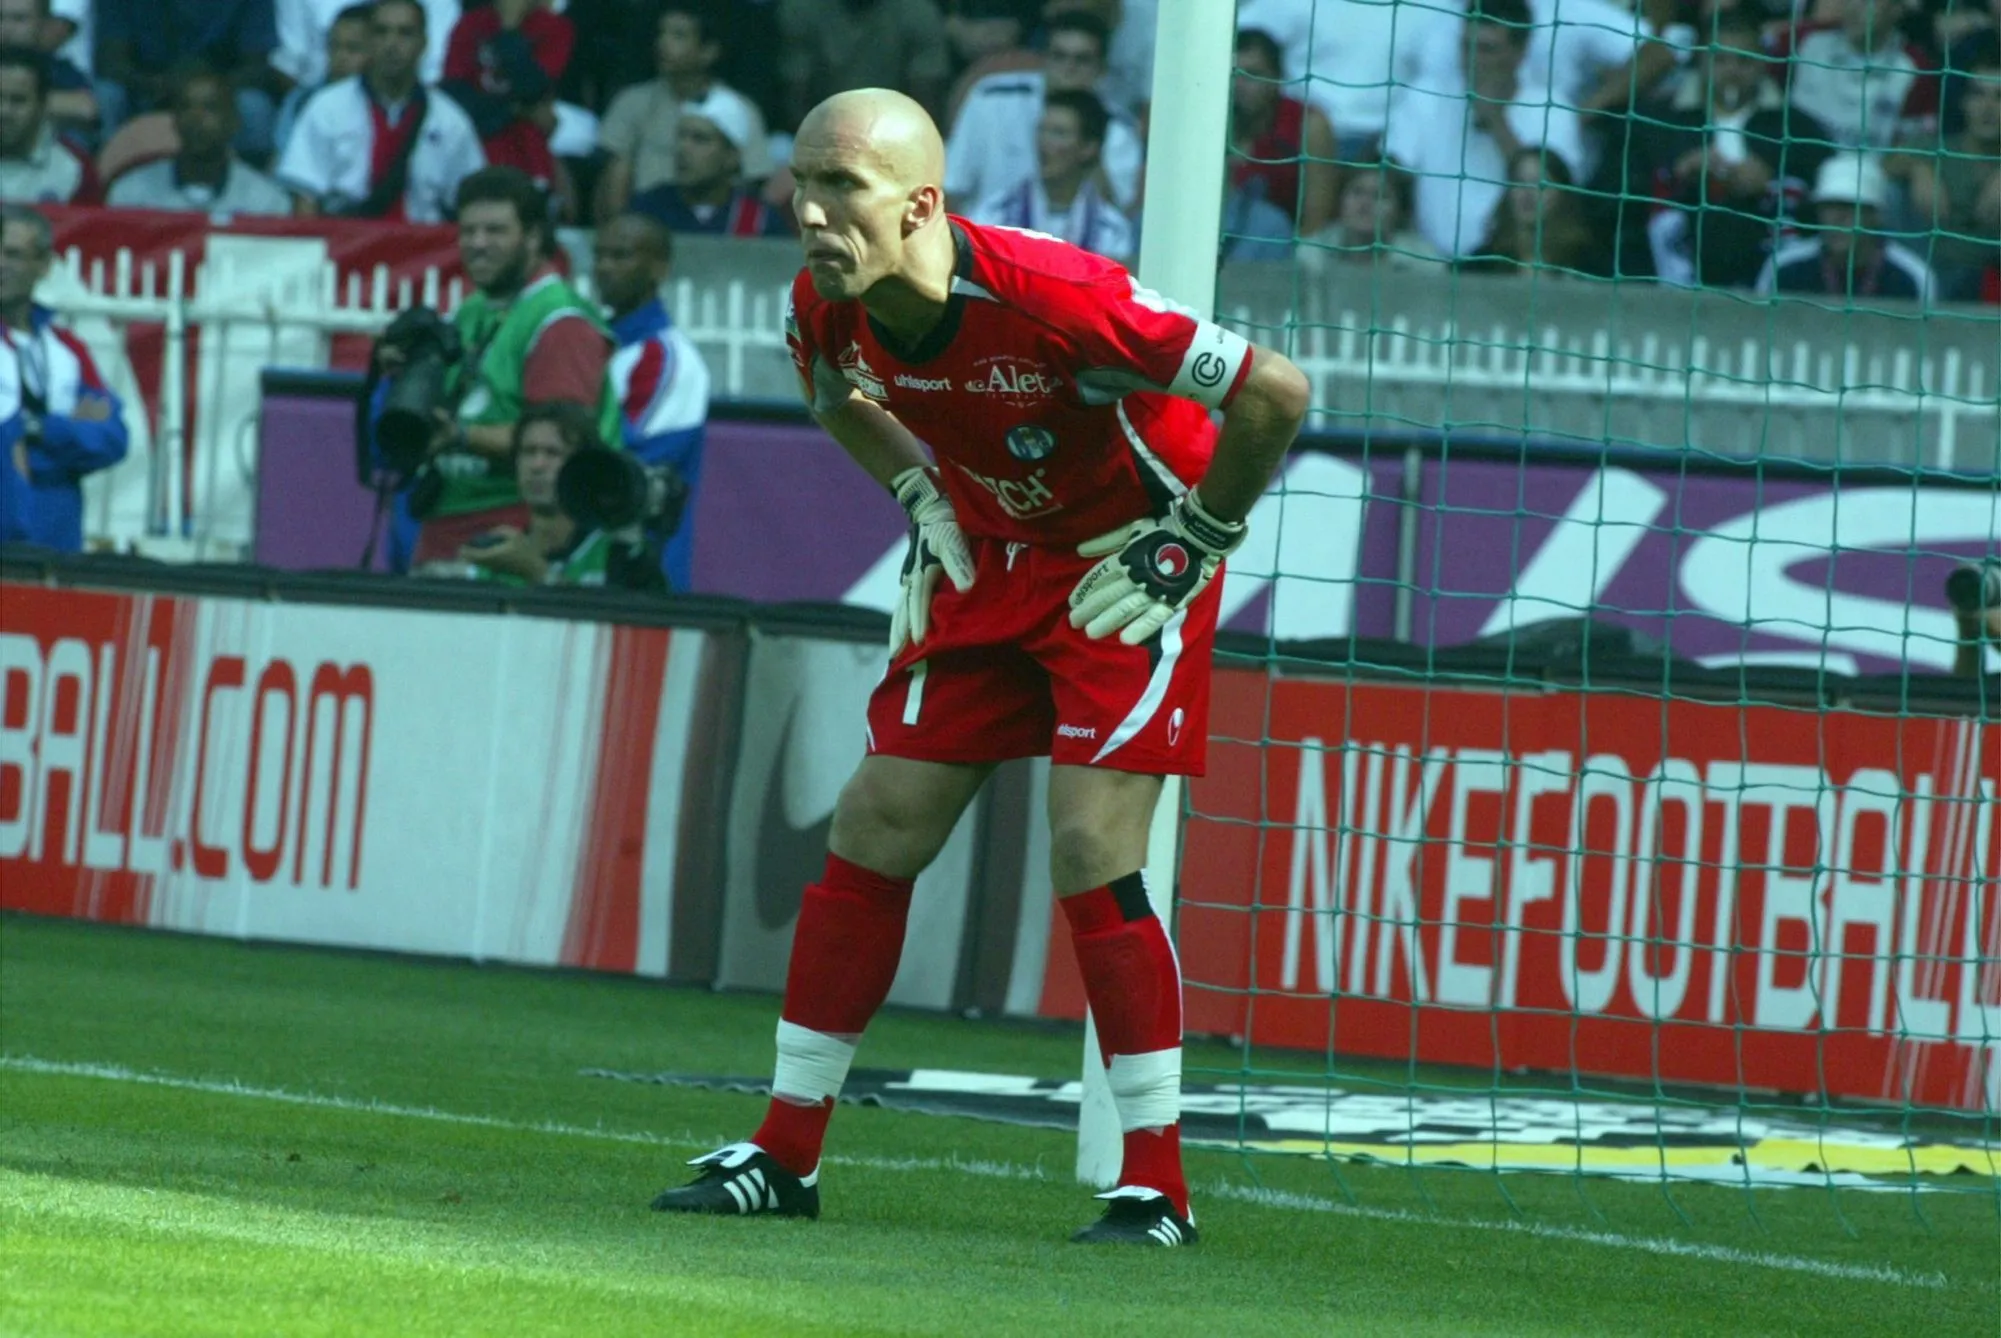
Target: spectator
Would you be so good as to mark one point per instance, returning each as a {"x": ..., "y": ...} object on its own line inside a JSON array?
[
  {"x": 987, "y": 37},
  {"x": 1589, "y": 55},
  {"x": 1848, "y": 256},
  {"x": 1345, "y": 56},
  {"x": 553, "y": 549},
  {"x": 1862, "y": 80},
  {"x": 35, "y": 162},
  {"x": 1961, "y": 187},
  {"x": 1253, "y": 227},
  {"x": 1700, "y": 186},
  {"x": 608, "y": 58},
  {"x": 502, "y": 66},
  {"x": 992, "y": 145},
  {"x": 530, "y": 338},
  {"x": 381, "y": 145},
  {"x": 712, "y": 137},
  {"x": 204, "y": 176},
  {"x": 1279, "y": 142},
  {"x": 1063, "y": 199},
  {"x": 57, "y": 419},
  {"x": 72, "y": 104},
  {"x": 1974, "y": 591},
  {"x": 1540, "y": 224},
  {"x": 142, "y": 44},
  {"x": 345, "y": 57},
  {"x": 830, "y": 46},
  {"x": 304, "y": 27},
  {"x": 639, "y": 131},
  {"x": 1372, "y": 222},
  {"x": 1459, "y": 145},
  {"x": 658, "y": 373}
]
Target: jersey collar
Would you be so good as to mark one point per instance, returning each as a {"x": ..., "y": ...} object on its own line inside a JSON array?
[{"x": 941, "y": 335}]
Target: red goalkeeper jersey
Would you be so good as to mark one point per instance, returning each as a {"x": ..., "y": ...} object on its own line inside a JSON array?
[{"x": 1060, "y": 398}]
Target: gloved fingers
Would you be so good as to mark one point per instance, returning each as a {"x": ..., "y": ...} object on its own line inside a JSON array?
[
  {"x": 1133, "y": 605},
  {"x": 1102, "y": 586},
  {"x": 899, "y": 621},
  {"x": 949, "y": 543},
  {"x": 1147, "y": 625}
]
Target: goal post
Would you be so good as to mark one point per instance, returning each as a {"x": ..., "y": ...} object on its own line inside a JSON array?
[{"x": 1187, "y": 139}]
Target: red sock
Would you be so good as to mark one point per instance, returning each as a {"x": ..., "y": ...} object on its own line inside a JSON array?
[
  {"x": 1133, "y": 983},
  {"x": 845, "y": 949}
]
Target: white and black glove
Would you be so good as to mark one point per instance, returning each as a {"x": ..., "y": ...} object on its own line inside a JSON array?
[
  {"x": 936, "y": 545},
  {"x": 1152, "y": 570}
]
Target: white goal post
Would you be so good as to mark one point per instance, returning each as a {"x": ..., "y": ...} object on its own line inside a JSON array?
[{"x": 1187, "y": 140}]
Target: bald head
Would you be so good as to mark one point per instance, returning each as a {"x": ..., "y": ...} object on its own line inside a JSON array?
[
  {"x": 868, "y": 170},
  {"x": 882, "y": 124}
]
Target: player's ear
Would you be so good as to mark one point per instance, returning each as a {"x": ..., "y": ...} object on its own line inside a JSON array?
[{"x": 925, "y": 203}]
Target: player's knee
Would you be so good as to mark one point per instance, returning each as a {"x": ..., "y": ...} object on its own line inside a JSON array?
[
  {"x": 1085, "y": 854},
  {"x": 891, "y": 828}
]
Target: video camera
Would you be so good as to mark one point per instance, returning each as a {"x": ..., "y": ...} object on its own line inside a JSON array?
[
  {"x": 603, "y": 489},
  {"x": 431, "y": 347}
]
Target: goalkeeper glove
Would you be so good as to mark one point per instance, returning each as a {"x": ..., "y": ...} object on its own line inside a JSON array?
[
  {"x": 936, "y": 545},
  {"x": 1152, "y": 569}
]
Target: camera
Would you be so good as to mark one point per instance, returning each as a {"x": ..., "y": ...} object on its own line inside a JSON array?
[
  {"x": 603, "y": 489},
  {"x": 1975, "y": 589},
  {"x": 430, "y": 346}
]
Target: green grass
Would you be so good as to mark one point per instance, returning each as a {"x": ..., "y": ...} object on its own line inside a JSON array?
[{"x": 441, "y": 1168}]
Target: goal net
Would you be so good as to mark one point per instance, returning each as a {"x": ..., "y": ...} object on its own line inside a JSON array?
[{"x": 1603, "y": 781}]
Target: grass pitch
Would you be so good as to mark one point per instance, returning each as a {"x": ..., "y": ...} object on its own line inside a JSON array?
[{"x": 201, "y": 1137}]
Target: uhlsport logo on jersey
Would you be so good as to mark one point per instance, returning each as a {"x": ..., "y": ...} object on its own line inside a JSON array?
[
  {"x": 1016, "y": 381},
  {"x": 1029, "y": 442},
  {"x": 909, "y": 382},
  {"x": 860, "y": 375}
]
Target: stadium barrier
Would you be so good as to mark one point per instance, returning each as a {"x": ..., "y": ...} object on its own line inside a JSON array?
[
  {"x": 184, "y": 318},
  {"x": 1795, "y": 891}
]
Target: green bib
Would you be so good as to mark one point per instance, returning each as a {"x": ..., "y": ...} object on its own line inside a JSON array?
[{"x": 487, "y": 385}]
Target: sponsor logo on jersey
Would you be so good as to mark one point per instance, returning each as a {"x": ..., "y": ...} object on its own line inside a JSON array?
[
  {"x": 860, "y": 375},
  {"x": 1075, "y": 732},
  {"x": 909, "y": 382},
  {"x": 1029, "y": 442},
  {"x": 1015, "y": 380},
  {"x": 1022, "y": 499}
]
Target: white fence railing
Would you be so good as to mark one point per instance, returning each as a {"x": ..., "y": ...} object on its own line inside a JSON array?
[{"x": 260, "y": 302}]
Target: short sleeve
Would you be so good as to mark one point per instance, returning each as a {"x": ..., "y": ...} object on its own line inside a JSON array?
[
  {"x": 821, "y": 384},
  {"x": 303, "y": 165},
  {"x": 618, "y": 135},
  {"x": 1127, "y": 338}
]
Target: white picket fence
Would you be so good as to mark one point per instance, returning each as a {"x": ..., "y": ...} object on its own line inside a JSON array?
[{"x": 260, "y": 302}]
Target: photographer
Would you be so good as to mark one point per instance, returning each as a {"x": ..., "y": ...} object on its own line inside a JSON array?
[
  {"x": 1975, "y": 594},
  {"x": 447, "y": 414},
  {"x": 567, "y": 540}
]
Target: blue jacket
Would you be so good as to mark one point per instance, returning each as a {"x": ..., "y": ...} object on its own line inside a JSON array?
[
  {"x": 72, "y": 444},
  {"x": 663, "y": 393}
]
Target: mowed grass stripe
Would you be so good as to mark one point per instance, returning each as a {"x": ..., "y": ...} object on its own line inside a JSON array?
[{"x": 1272, "y": 1199}]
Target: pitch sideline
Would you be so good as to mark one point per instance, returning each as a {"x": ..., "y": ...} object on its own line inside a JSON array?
[{"x": 1656, "y": 1245}]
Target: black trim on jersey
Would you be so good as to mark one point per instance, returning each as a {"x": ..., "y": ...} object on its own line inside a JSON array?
[
  {"x": 1160, "y": 499},
  {"x": 940, "y": 336}
]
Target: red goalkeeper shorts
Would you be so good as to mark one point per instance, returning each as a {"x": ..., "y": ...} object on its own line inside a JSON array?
[{"x": 1002, "y": 674}]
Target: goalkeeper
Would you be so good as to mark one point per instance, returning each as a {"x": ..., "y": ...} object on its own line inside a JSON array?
[{"x": 1059, "y": 597}]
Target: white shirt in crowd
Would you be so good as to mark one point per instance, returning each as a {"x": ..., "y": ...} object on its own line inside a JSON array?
[
  {"x": 991, "y": 149},
  {"x": 158, "y": 185},
  {"x": 1089, "y": 221},
  {"x": 1461, "y": 175},
  {"x": 1353, "y": 51},
  {"x": 1573, "y": 46},
  {"x": 301, "y": 53},
  {"x": 329, "y": 154}
]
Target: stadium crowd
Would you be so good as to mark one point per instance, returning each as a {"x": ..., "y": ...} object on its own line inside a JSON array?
[
  {"x": 1843, "y": 146},
  {"x": 1823, "y": 146}
]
